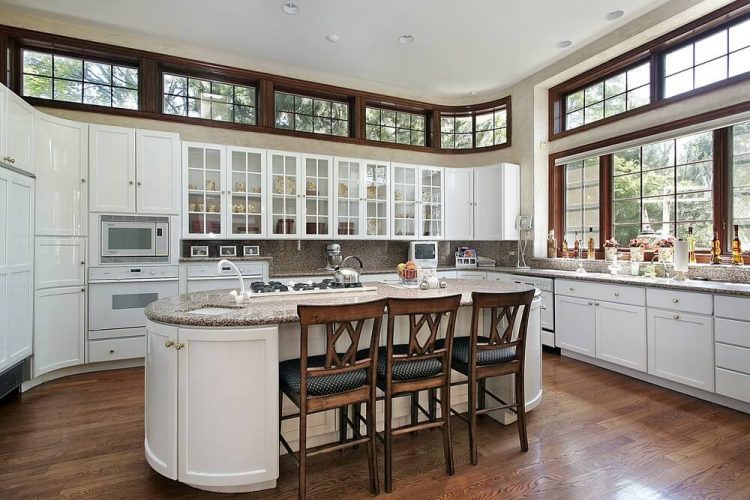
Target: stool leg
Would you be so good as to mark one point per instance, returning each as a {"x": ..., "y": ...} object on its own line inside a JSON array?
[
  {"x": 482, "y": 396},
  {"x": 445, "y": 410},
  {"x": 302, "y": 450},
  {"x": 432, "y": 393},
  {"x": 473, "y": 421},
  {"x": 414, "y": 410},
  {"x": 343, "y": 411},
  {"x": 372, "y": 460},
  {"x": 521, "y": 409},
  {"x": 388, "y": 443}
]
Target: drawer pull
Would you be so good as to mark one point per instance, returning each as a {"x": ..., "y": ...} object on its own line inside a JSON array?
[
  {"x": 111, "y": 351},
  {"x": 571, "y": 289},
  {"x": 674, "y": 301},
  {"x": 169, "y": 343},
  {"x": 617, "y": 294},
  {"x": 544, "y": 308},
  {"x": 676, "y": 316},
  {"x": 179, "y": 345},
  {"x": 596, "y": 303},
  {"x": 591, "y": 303}
]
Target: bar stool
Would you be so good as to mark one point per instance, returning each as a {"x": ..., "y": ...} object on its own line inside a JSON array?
[
  {"x": 335, "y": 379},
  {"x": 406, "y": 369},
  {"x": 479, "y": 357}
]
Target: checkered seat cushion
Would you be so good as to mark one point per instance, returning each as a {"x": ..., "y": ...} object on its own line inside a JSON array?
[
  {"x": 462, "y": 348},
  {"x": 408, "y": 370},
  {"x": 289, "y": 377}
]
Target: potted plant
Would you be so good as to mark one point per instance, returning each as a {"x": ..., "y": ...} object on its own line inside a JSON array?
[
  {"x": 637, "y": 246},
  {"x": 610, "y": 249},
  {"x": 666, "y": 249}
]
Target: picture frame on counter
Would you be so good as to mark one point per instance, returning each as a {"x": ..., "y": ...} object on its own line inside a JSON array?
[
  {"x": 250, "y": 250},
  {"x": 227, "y": 251},
  {"x": 199, "y": 251}
]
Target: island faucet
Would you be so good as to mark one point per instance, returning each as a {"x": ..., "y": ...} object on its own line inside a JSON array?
[{"x": 225, "y": 265}]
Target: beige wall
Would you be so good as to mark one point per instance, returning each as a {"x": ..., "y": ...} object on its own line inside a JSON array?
[{"x": 529, "y": 149}]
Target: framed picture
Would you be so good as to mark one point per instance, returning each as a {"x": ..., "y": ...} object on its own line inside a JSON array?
[
  {"x": 228, "y": 251},
  {"x": 199, "y": 251},
  {"x": 250, "y": 250}
]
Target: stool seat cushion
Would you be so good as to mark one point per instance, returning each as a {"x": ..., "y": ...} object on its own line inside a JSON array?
[
  {"x": 289, "y": 377},
  {"x": 408, "y": 370},
  {"x": 462, "y": 348}
]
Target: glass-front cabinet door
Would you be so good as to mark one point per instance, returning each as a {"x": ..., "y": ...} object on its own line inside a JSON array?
[
  {"x": 431, "y": 203},
  {"x": 246, "y": 192},
  {"x": 316, "y": 194},
  {"x": 376, "y": 200},
  {"x": 284, "y": 192},
  {"x": 404, "y": 184},
  {"x": 349, "y": 198},
  {"x": 203, "y": 165}
]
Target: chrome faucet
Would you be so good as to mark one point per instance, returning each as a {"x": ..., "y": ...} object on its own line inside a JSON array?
[{"x": 225, "y": 265}]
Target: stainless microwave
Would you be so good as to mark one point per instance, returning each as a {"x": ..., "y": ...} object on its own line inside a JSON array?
[{"x": 134, "y": 238}]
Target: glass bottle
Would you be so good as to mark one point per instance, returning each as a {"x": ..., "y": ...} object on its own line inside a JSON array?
[
  {"x": 565, "y": 249},
  {"x": 736, "y": 247},
  {"x": 716, "y": 249},
  {"x": 691, "y": 246},
  {"x": 591, "y": 254},
  {"x": 576, "y": 246},
  {"x": 551, "y": 245}
]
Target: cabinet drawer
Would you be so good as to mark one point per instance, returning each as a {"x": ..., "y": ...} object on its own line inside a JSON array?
[
  {"x": 697, "y": 303},
  {"x": 617, "y": 294},
  {"x": 733, "y": 358},
  {"x": 733, "y": 384},
  {"x": 732, "y": 332},
  {"x": 110, "y": 350},
  {"x": 732, "y": 307}
]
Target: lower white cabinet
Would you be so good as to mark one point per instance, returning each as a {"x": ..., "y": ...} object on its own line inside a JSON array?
[
  {"x": 621, "y": 334},
  {"x": 681, "y": 348},
  {"x": 209, "y": 392},
  {"x": 59, "y": 328},
  {"x": 576, "y": 324}
]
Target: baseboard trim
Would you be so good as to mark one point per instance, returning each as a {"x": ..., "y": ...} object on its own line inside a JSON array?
[{"x": 84, "y": 368}]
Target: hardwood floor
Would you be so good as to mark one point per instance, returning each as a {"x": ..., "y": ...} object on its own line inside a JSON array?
[{"x": 597, "y": 434}]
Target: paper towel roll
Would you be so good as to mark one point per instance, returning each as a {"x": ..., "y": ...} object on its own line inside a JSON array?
[{"x": 681, "y": 249}]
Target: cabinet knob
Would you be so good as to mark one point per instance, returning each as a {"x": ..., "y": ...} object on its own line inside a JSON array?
[
  {"x": 591, "y": 303},
  {"x": 169, "y": 343},
  {"x": 83, "y": 262},
  {"x": 131, "y": 182},
  {"x": 111, "y": 351},
  {"x": 675, "y": 301},
  {"x": 179, "y": 345},
  {"x": 571, "y": 289},
  {"x": 83, "y": 180},
  {"x": 596, "y": 303},
  {"x": 544, "y": 308},
  {"x": 140, "y": 183},
  {"x": 617, "y": 294},
  {"x": 676, "y": 316},
  {"x": 83, "y": 289}
]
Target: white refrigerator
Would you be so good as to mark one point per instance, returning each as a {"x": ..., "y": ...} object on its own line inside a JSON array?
[{"x": 16, "y": 274}]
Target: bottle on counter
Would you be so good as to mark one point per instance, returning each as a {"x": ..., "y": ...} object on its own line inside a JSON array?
[
  {"x": 736, "y": 247},
  {"x": 591, "y": 253},
  {"x": 551, "y": 245},
  {"x": 565, "y": 254},
  {"x": 691, "y": 245},
  {"x": 576, "y": 246},
  {"x": 716, "y": 249}
]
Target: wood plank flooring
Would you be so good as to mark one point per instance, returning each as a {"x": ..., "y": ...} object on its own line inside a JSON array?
[{"x": 597, "y": 434}]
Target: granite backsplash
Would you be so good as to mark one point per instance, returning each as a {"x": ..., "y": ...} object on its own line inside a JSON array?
[{"x": 293, "y": 256}]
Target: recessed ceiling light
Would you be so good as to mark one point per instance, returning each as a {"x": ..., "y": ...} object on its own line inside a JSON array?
[
  {"x": 615, "y": 14},
  {"x": 563, "y": 43},
  {"x": 333, "y": 38},
  {"x": 406, "y": 38},
  {"x": 290, "y": 8}
]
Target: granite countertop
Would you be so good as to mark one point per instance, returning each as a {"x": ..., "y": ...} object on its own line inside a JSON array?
[
  {"x": 266, "y": 310},
  {"x": 233, "y": 259}
]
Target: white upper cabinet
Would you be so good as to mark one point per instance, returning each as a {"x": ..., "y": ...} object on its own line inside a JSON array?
[
  {"x": 431, "y": 196},
  {"x": 16, "y": 131},
  {"x": 417, "y": 195},
  {"x": 62, "y": 161},
  {"x": 376, "y": 206},
  {"x": 112, "y": 169},
  {"x": 204, "y": 167},
  {"x": 317, "y": 180},
  {"x": 284, "y": 187},
  {"x": 246, "y": 191},
  {"x": 482, "y": 203},
  {"x": 361, "y": 194},
  {"x": 134, "y": 171},
  {"x": 157, "y": 169}
]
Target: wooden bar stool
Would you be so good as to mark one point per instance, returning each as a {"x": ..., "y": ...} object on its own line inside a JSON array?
[
  {"x": 422, "y": 364},
  {"x": 335, "y": 379},
  {"x": 479, "y": 357}
]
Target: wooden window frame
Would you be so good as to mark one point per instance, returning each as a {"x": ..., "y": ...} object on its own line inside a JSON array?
[
  {"x": 473, "y": 111},
  {"x": 389, "y": 107},
  {"x": 653, "y": 51},
  {"x": 721, "y": 182},
  {"x": 152, "y": 65}
]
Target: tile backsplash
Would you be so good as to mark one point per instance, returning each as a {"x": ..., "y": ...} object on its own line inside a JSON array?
[{"x": 293, "y": 256}]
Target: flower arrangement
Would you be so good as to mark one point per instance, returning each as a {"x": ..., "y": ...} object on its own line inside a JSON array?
[
  {"x": 666, "y": 249},
  {"x": 611, "y": 243},
  {"x": 637, "y": 248},
  {"x": 667, "y": 242}
]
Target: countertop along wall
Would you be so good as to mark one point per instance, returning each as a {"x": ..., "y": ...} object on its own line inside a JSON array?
[{"x": 529, "y": 148}]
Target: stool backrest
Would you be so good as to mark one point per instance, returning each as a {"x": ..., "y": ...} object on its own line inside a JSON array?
[
  {"x": 503, "y": 309},
  {"x": 338, "y": 320}
]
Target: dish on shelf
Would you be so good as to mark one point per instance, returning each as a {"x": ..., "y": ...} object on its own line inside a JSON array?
[
  {"x": 255, "y": 189},
  {"x": 372, "y": 227},
  {"x": 311, "y": 189},
  {"x": 372, "y": 192},
  {"x": 291, "y": 185},
  {"x": 278, "y": 185},
  {"x": 343, "y": 189},
  {"x": 426, "y": 196},
  {"x": 398, "y": 196}
]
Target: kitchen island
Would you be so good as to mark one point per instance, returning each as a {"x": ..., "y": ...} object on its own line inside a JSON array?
[{"x": 212, "y": 397}]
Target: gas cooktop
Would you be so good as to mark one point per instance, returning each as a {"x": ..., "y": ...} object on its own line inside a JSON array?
[{"x": 261, "y": 288}]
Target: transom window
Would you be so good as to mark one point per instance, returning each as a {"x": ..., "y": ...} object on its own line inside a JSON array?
[
  {"x": 456, "y": 132},
  {"x": 716, "y": 57},
  {"x": 311, "y": 114},
  {"x": 667, "y": 186},
  {"x": 386, "y": 125},
  {"x": 208, "y": 99},
  {"x": 612, "y": 96},
  {"x": 741, "y": 181},
  {"x": 581, "y": 183},
  {"x": 491, "y": 128},
  {"x": 70, "y": 79}
]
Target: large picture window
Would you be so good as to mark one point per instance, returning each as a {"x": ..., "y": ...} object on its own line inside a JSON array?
[
  {"x": 740, "y": 179},
  {"x": 311, "y": 114},
  {"x": 208, "y": 99},
  {"x": 582, "y": 200},
  {"x": 70, "y": 79}
]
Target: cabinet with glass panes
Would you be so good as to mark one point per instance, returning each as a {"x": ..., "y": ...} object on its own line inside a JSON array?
[
  {"x": 348, "y": 198},
  {"x": 246, "y": 189},
  {"x": 203, "y": 166},
  {"x": 284, "y": 194},
  {"x": 376, "y": 200},
  {"x": 404, "y": 201},
  {"x": 316, "y": 189},
  {"x": 431, "y": 202}
]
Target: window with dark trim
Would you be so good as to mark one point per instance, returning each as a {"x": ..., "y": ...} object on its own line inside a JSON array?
[
  {"x": 582, "y": 187},
  {"x": 401, "y": 127},
  {"x": 208, "y": 99},
  {"x": 740, "y": 181},
  {"x": 47, "y": 75},
  {"x": 456, "y": 131},
  {"x": 491, "y": 128},
  {"x": 311, "y": 114}
]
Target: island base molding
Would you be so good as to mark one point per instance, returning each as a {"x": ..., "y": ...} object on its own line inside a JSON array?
[
  {"x": 668, "y": 384},
  {"x": 265, "y": 485}
]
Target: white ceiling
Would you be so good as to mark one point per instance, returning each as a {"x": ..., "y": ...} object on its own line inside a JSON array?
[{"x": 460, "y": 47}]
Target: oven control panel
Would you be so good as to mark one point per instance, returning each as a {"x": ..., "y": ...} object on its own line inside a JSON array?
[{"x": 133, "y": 272}]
